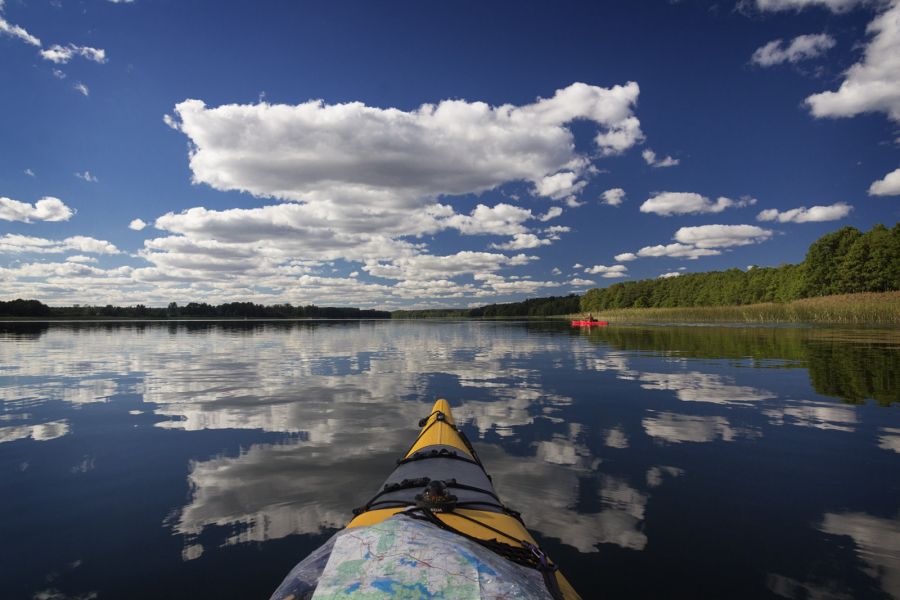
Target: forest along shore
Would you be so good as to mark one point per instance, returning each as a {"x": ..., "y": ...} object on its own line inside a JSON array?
[{"x": 846, "y": 309}]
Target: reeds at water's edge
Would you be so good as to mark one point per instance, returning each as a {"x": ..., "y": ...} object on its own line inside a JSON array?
[{"x": 871, "y": 308}]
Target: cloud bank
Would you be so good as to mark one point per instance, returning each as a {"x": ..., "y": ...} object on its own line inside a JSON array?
[
  {"x": 367, "y": 185},
  {"x": 389, "y": 158}
]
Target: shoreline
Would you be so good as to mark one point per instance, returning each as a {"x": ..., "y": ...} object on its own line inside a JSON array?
[
  {"x": 867, "y": 308},
  {"x": 179, "y": 320}
]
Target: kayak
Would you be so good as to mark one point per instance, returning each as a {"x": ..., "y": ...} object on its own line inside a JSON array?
[
  {"x": 588, "y": 323},
  {"x": 441, "y": 488}
]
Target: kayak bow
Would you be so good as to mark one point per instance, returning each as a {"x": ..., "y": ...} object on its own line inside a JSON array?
[{"x": 441, "y": 480}]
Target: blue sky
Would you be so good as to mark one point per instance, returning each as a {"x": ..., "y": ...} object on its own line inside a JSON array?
[{"x": 417, "y": 154}]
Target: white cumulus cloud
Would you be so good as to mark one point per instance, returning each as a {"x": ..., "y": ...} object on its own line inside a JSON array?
[
  {"x": 612, "y": 272},
  {"x": 889, "y": 185},
  {"x": 873, "y": 84},
  {"x": 552, "y": 213},
  {"x": 560, "y": 185},
  {"x": 832, "y": 5},
  {"x": 705, "y": 240},
  {"x": 63, "y": 54},
  {"x": 579, "y": 282},
  {"x": 681, "y": 203},
  {"x": 802, "y": 214},
  {"x": 47, "y": 208},
  {"x": 12, "y": 243},
  {"x": 353, "y": 153},
  {"x": 137, "y": 224},
  {"x": 502, "y": 219},
  {"x": 367, "y": 185},
  {"x": 613, "y": 197},
  {"x": 802, "y": 47},
  {"x": 722, "y": 236},
  {"x": 425, "y": 267},
  {"x": 81, "y": 258},
  {"x": 651, "y": 159},
  {"x": 669, "y": 275},
  {"x": 81, "y": 89},
  {"x": 522, "y": 241},
  {"x": 675, "y": 251}
]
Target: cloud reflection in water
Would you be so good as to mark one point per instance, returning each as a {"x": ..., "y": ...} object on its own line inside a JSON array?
[{"x": 581, "y": 435}]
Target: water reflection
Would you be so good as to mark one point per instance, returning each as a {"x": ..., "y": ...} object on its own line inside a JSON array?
[
  {"x": 890, "y": 439},
  {"x": 694, "y": 386},
  {"x": 787, "y": 587},
  {"x": 877, "y": 542},
  {"x": 271, "y": 491},
  {"x": 656, "y": 475},
  {"x": 282, "y": 428},
  {"x": 548, "y": 495},
  {"x": 40, "y": 432},
  {"x": 820, "y": 415},
  {"x": 854, "y": 365},
  {"x": 677, "y": 428},
  {"x": 616, "y": 438}
]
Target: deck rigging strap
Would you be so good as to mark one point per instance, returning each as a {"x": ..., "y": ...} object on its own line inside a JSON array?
[
  {"x": 407, "y": 484},
  {"x": 442, "y": 453}
]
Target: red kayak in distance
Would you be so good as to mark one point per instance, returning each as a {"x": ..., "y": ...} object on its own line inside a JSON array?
[{"x": 589, "y": 323}]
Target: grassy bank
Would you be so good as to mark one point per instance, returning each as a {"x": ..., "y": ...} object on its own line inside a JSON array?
[{"x": 846, "y": 309}]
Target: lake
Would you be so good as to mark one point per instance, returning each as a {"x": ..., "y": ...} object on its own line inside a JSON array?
[{"x": 203, "y": 460}]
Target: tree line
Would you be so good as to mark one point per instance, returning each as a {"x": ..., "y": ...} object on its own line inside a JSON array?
[
  {"x": 845, "y": 261},
  {"x": 533, "y": 307},
  {"x": 229, "y": 310}
]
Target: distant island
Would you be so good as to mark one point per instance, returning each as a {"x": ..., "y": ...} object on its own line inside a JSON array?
[{"x": 847, "y": 277}]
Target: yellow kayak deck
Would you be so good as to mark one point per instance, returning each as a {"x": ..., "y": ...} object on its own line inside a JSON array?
[{"x": 440, "y": 438}]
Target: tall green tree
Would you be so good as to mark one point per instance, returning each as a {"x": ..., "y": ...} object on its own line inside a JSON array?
[{"x": 825, "y": 270}]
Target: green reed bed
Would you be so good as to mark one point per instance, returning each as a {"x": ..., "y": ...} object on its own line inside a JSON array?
[{"x": 859, "y": 309}]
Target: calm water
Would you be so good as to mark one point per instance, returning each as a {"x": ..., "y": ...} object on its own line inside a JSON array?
[{"x": 204, "y": 460}]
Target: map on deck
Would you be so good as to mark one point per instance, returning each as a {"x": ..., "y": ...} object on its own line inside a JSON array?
[{"x": 405, "y": 558}]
